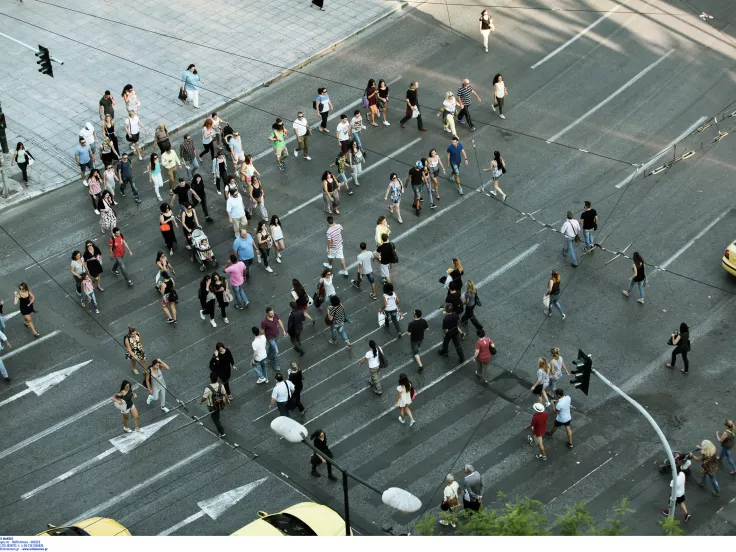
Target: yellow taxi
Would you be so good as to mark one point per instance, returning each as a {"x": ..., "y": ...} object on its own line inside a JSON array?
[
  {"x": 301, "y": 520},
  {"x": 92, "y": 527},
  {"x": 729, "y": 259}
]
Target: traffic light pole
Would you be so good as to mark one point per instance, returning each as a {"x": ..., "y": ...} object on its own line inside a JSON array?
[
  {"x": 658, "y": 431},
  {"x": 56, "y": 60}
]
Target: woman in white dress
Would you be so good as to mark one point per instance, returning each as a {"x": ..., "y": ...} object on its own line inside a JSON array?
[{"x": 404, "y": 393}]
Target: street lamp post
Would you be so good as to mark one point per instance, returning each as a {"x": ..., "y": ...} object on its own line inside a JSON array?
[{"x": 397, "y": 498}]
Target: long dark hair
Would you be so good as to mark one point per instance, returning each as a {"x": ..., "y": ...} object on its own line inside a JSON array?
[
  {"x": 683, "y": 328},
  {"x": 275, "y": 221},
  {"x": 203, "y": 285},
  {"x": 298, "y": 287},
  {"x": 374, "y": 348},
  {"x": 126, "y": 88},
  {"x": 153, "y": 160},
  {"x": 101, "y": 201},
  {"x": 638, "y": 259},
  {"x": 497, "y": 158},
  {"x": 122, "y": 385},
  {"x": 371, "y": 82},
  {"x": 196, "y": 177},
  {"x": 315, "y": 435},
  {"x": 495, "y": 78},
  {"x": 19, "y": 146},
  {"x": 324, "y": 175},
  {"x": 404, "y": 380},
  {"x": 95, "y": 249}
]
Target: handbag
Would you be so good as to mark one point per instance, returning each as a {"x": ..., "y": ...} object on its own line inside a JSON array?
[
  {"x": 414, "y": 112},
  {"x": 31, "y": 160},
  {"x": 182, "y": 94},
  {"x": 328, "y": 319},
  {"x": 364, "y": 100},
  {"x": 382, "y": 362},
  {"x": 669, "y": 341},
  {"x": 413, "y": 392},
  {"x": 545, "y": 301},
  {"x": 477, "y": 301},
  {"x": 227, "y": 296},
  {"x": 165, "y": 227},
  {"x": 493, "y": 348},
  {"x": 381, "y": 318}
]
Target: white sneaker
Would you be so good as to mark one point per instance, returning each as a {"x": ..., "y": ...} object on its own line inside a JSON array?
[
  {"x": 219, "y": 192},
  {"x": 140, "y": 158},
  {"x": 494, "y": 108},
  {"x": 166, "y": 410},
  {"x": 148, "y": 400},
  {"x": 214, "y": 324},
  {"x": 97, "y": 212},
  {"x": 343, "y": 272},
  {"x": 447, "y": 130},
  {"x": 327, "y": 265},
  {"x": 225, "y": 320},
  {"x": 159, "y": 198},
  {"x": 401, "y": 221},
  {"x": 278, "y": 258},
  {"x": 386, "y": 123},
  {"x": 502, "y": 116},
  {"x": 85, "y": 182},
  {"x": 201, "y": 314},
  {"x": 308, "y": 158},
  {"x": 261, "y": 380},
  {"x": 269, "y": 269},
  {"x": 493, "y": 192}
]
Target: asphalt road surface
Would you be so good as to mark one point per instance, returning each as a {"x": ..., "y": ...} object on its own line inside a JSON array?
[{"x": 607, "y": 91}]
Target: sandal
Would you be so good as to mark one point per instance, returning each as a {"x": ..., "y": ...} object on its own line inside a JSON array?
[{"x": 100, "y": 289}]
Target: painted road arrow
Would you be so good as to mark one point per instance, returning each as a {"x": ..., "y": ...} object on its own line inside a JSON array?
[
  {"x": 124, "y": 443},
  {"x": 216, "y": 506},
  {"x": 40, "y": 385}
]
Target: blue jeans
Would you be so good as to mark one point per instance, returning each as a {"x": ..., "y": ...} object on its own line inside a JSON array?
[
  {"x": 570, "y": 248},
  {"x": 129, "y": 180},
  {"x": 356, "y": 137},
  {"x": 553, "y": 301},
  {"x": 339, "y": 330},
  {"x": 273, "y": 353},
  {"x": 260, "y": 368},
  {"x": 392, "y": 315},
  {"x": 240, "y": 297},
  {"x": 2, "y": 323},
  {"x": 191, "y": 168},
  {"x": 588, "y": 236},
  {"x": 3, "y": 371},
  {"x": 727, "y": 453},
  {"x": 714, "y": 482},
  {"x": 641, "y": 287},
  {"x": 429, "y": 194},
  {"x": 92, "y": 299}
]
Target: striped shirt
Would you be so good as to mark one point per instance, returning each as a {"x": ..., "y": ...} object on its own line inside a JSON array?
[
  {"x": 464, "y": 93},
  {"x": 338, "y": 315},
  {"x": 334, "y": 236}
]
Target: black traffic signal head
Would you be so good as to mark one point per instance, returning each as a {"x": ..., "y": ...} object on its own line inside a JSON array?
[
  {"x": 44, "y": 60},
  {"x": 582, "y": 371}
]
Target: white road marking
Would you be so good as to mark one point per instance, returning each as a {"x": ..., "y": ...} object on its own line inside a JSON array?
[
  {"x": 81, "y": 467},
  {"x": 582, "y": 478},
  {"x": 373, "y": 166},
  {"x": 119, "y": 498},
  {"x": 335, "y": 114},
  {"x": 129, "y": 441},
  {"x": 700, "y": 234},
  {"x": 581, "y": 33},
  {"x": 33, "y": 343},
  {"x": 216, "y": 506},
  {"x": 663, "y": 151},
  {"x": 11, "y": 315},
  {"x": 40, "y": 385},
  {"x": 580, "y": 119}
]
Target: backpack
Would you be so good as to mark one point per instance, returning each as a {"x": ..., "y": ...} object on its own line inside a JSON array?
[
  {"x": 218, "y": 398},
  {"x": 396, "y": 255}
]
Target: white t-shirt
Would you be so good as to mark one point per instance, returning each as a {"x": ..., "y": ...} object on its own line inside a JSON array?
[
  {"x": 329, "y": 286},
  {"x": 570, "y": 228},
  {"x": 563, "y": 405},
  {"x": 343, "y": 130},
  {"x": 357, "y": 123},
  {"x": 259, "y": 347},
  {"x": 88, "y": 135},
  {"x": 301, "y": 126},
  {"x": 390, "y": 302},
  {"x": 132, "y": 124},
  {"x": 450, "y": 105},
  {"x": 280, "y": 393},
  {"x": 680, "y": 491},
  {"x": 499, "y": 89},
  {"x": 236, "y": 145},
  {"x": 364, "y": 260},
  {"x": 373, "y": 361},
  {"x": 452, "y": 491},
  {"x": 235, "y": 207}
]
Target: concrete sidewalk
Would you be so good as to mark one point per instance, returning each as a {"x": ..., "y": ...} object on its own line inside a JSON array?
[{"x": 107, "y": 45}]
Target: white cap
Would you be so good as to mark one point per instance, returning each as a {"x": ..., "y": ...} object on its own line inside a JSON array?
[{"x": 538, "y": 407}]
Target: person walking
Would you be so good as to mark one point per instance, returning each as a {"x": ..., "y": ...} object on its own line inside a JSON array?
[
  {"x": 382, "y": 101},
  {"x": 88, "y": 292},
  {"x": 483, "y": 355},
  {"x": 216, "y": 398},
  {"x": 325, "y": 288},
  {"x": 323, "y": 105},
  {"x": 156, "y": 384},
  {"x": 473, "y": 494},
  {"x": 123, "y": 401},
  {"x": 162, "y": 265},
  {"x": 542, "y": 383},
  {"x": 556, "y": 366},
  {"x": 4, "y": 339},
  {"x": 296, "y": 376},
  {"x": 108, "y": 220},
  {"x": 133, "y": 127},
  {"x": 451, "y": 331},
  {"x": 189, "y": 223},
  {"x": 681, "y": 342},
  {"x": 218, "y": 125},
  {"x": 342, "y": 132},
  {"x": 236, "y": 270},
  {"x": 181, "y": 192},
  {"x": 25, "y": 300},
  {"x": 132, "y": 103},
  {"x": 277, "y": 235},
  {"x": 24, "y": 159},
  {"x": 109, "y": 176},
  {"x": 386, "y": 254},
  {"x": 188, "y": 156},
  {"x": 455, "y": 274},
  {"x": 563, "y": 417},
  {"x": 416, "y": 178},
  {"x": 108, "y": 154},
  {"x": 169, "y": 297},
  {"x": 639, "y": 277},
  {"x": 499, "y": 93},
  {"x": 260, "y": 354},
  {"x": 455, "y": 301},
  {"x": 161, "y": 136},
  {"x": 77, "y": 269},
  {"x": 455, "y": 155},
  {"x": 405, "y": 393},
  {"x": 356, "y": 158},
  {"x": 93, "y": 263},
  {"x": 341, "y": 161},
  {"x": 84, "y": 157},
  {"x": 449, "y": 106},
  {"x": 257, "y": 197},
  {"x": 382, "y": 228},
  {"x": 589, "y": 222},
  {"x": 134, "y": 351},
  {"x": 270, "y": 326},
  {"x": 154, "y": 175},
  {"x": 107, "y": 106},
  {"x": 365, "y": 269},
  {"x": 416, "y": 329},
  {"x": 295, "y": 326},
  {"x": 680, "y": 495},
  {"x": 412, "y": 106},
  {"x": 190, "y": 83},
  {"x": 570, "y": 230},
  {"x": 371, "y": 95},
  {"x": 108, "y": 131},
  {"x": 356, "y": 127},
  {"x": 219, "y": 286},
  {"x": 118, "y": 246},
  {"x": 166, "y": 223},
  {"x": 334, "y": 246},
  {"x": 497, "y": 167},
  {"x": 94, "y": 188},
  {"x": 90, "y": 136},
  {"x": 278, "y": 141},
  {"x": 303, "y": 133},
  {"x": 264, "y": 243},
  {"x": 471, "y": 301},
  {"x": 552, "y": 295},
  {"x": 219, "y": 170},
  {"x": 485, "y": 23},
  {"x": 126, "y": 177},
  {"x": 319, "y": 437},
  {"x": 236, "y": 213},
  {"x": 336, "y": 319},
  {"x": 330, "y": 193},
  {"x": 538, "y": 425},
  {"x": 208, "y": 137},
  {"x": 244, "y": 248},
  {"x": 170, "y": 161},
  {"x": 390, "y": 308},
  {"x": 426, "y": 174},
  {"x": 374, "y": 357},
  {"x": 301, "y": 298},
  {"x": 709, "y": 465},
  {"x": 393, "y": 195},
  {"x": 450, "y": 501},
  {"x": 200, "y": 195},
  {"x": 435, "y": 164},
  {"x": 727, "y": 441},
  {"x": 222, "y": 363},
  {"x": 281, "y": 395}
]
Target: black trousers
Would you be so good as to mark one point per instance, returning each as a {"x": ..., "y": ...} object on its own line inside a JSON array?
[
  {"x": 203, "y": 203},
  {"x": 24, "y": 170},
  {"x": 465, "y": 112},
  {"x": 408, "y": 116},
  {"x": 680, "y": 351},
  {"x": 324, "y": 115},
  {"x": 296, "y": 342},
  {"x": 208, "y": 147},
  {"x": 468, "y": 505},
  {"x": 470, "y": 315},
  {"x": 298, "y": 402},
  {"x": 455, "y": 338},
  {"x": 216, "y": 421},
  {"x": 315, "y": 461}
]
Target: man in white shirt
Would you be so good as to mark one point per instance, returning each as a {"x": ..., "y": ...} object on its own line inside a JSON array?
[
  {"x": 334, "y": 245},
  {"x": 260, "y": 354},
  {"x": 563, "y": 418},
  {"x": 302, "y": 131},
  {"x": 281, "y": 394},
  {"x": 343, "y": 134},
  {"x": 236, "y": 212},
  {"x": 89, "y": 134},
  {"x": 365, "y": 269},
  {"x": 356, "y": 125},
  {"x": 570, "y": 229}
]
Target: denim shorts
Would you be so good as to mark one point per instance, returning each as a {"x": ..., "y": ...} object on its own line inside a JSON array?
[{"x": 455, "y": 169}]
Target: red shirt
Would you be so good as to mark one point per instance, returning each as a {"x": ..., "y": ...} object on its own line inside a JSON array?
[
  {"x": 271, "y": 327},
  {"x": 539, "y": 423},
  {"x": 483, "y": 346},
  {"x": 118, "y": 249}
]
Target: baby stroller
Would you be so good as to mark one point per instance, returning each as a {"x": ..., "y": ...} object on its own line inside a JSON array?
[
  {"x": 682, "y": 461},
  {"x": 201, "y": 250}
]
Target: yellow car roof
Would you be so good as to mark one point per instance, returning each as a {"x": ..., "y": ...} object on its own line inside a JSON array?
[
  {"x": 96, "y": 527},
  {"x": 324, "y": 521}
]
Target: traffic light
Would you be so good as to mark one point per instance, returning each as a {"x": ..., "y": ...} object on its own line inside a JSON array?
[
  {"x": 44, "y": 60},
  {"x": 583, "y": 369}
]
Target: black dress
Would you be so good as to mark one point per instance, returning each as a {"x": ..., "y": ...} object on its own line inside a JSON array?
[
  {"x": 25, "y": 305},
  {"x": 222, "y": 366},
  {"x": 168, "y": 235},
  {"x": 94, "y": 266},
  {"x": 297, "y": 379},
  {"x": 324, "y": 451},
  {"x": 318, "y": 3}
]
